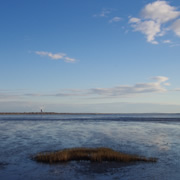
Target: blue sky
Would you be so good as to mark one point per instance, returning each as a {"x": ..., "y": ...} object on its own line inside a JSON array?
[{"x": 90, "y": 56}]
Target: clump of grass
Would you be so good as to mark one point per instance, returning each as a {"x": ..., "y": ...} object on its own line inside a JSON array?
[{"x": 89, "y": 154}]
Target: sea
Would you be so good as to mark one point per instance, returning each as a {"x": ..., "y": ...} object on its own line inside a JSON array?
[{"x": 149, "y": 135}]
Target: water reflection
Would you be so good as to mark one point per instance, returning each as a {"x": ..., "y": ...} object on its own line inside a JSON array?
[{"x": 162, "y": 142}]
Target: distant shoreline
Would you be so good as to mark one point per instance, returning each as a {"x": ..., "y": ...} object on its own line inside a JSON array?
[
  {"x": 56, "y": 113},
  {"x": 42, "y": 113}
]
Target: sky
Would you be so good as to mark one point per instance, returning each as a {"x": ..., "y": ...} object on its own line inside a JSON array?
[{"x": 101, "y": 56}]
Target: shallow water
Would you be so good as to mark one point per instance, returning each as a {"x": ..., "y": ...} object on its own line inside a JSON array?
[{"x": 23, "y": 136}]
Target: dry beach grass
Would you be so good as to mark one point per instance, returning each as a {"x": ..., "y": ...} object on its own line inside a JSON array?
[{"x": 89, "y": 154}]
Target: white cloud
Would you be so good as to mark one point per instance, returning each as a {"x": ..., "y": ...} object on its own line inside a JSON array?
[
  {"x": 149, "y": 28},
  {"x": 176, "y": 27},
  {"x": 153, "y": 15},
  {"x": 160, "y": 11},
  {"x": 115, "y": 19},
  {"x": 56, "y": 56}
]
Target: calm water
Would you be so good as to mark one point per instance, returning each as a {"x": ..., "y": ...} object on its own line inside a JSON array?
[{"x": 151, "y": 135}]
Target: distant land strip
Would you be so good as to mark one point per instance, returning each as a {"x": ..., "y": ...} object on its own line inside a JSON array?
[
  {"x": 45, "y": 113},
  {"x": 65, "y": 113}
]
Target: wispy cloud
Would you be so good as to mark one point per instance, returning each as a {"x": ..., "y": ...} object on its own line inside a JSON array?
[
  {"x": 156, "y": 85},
  {"x": 68, "y": 59},
  {"x": 104, "y": 13},
  {"x": 153, "y": 16},
  {"x": 9, "y": 96},
  {"x": 176, "y": 27},
  {"x": 119, "y": 91},
  {"x": 176, "y": 89},
  {"x": 167, "y": 41},
  {"x": 160, "y": 79},
  {"x": 139, "y": 88},
  {"x": 115, "y": 19},
  {"x": 56, "y": 56}
]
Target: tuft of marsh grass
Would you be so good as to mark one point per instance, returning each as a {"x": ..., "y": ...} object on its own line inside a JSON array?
[{"x": 89, "y": 154}]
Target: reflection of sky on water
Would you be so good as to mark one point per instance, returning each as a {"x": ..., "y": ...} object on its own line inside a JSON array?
[
  {"x": 162, "y": 142},
  {"x": 21, "y": 139}
]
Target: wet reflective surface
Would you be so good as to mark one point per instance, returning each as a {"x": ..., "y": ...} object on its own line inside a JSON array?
[{"x": 22, "y": 137}]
